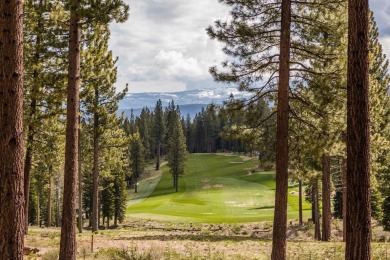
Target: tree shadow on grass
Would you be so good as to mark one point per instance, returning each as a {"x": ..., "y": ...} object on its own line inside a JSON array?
[
  {"x": 264, "y": 207},
  {"x": 195, "y": 237}
]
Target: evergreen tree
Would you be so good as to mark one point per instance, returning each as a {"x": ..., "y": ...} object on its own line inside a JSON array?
[
  {"x": 11, "y": 128},
  {"x": 137, "y": 157},
  {"x": 158, "y": 130},
  {"x": 144, "y": 124},
  {"x": 45, "y": 76},
  {"x": 358, "y": 219},
  {"x": 99, "y": 96},
  {"x": 177, "y": 151},
  {"x": 100, "y": 13},
  {"x": 120, "y": 194}
]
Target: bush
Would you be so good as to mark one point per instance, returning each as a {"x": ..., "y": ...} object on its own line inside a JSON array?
[
  {"x": 50, "y": 255},
  {"x": 386, "y": 214}
]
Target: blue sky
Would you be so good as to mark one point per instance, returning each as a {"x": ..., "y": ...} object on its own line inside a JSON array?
[{"x": 163, "y": 47}]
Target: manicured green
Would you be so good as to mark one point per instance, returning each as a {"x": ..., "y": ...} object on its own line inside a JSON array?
[{"x": 214, "y": 189}]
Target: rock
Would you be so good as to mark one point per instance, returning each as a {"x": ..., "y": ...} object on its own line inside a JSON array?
[{"x": 30, "y": 250}]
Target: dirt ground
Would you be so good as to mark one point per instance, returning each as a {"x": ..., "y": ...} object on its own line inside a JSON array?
[{"x": 161, "y": 240}]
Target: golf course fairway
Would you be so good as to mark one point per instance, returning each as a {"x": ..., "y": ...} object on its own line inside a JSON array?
[{"x": 216, "y": 188}]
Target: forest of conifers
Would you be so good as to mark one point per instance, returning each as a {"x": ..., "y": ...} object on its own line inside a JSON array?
[{"x": 319, "y": 114}]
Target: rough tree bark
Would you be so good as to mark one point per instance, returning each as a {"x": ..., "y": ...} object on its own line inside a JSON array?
[
  {"x": 326, "y": 204},
  {"x": 358, "y": 219},
  {"x": 280, "y": 215},
  {"x": 158, "y": 155},
  {"x": 344, "y": 173},
  {"x": 49, "y": 199},
  {"x": 80, "y": 216},
  {"x": 68, "y": 240},
  {"x": 316, "y": 209},
  {"x": 300, "y": 203},
  {"x": 12, "y": 214},
  {"x": 57, "y": 184},
  {"x": 95, "y": 179}
]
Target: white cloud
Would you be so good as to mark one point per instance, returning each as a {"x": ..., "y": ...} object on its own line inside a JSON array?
[
  {"x": 165, "y": 40},
  {"x": 156, "y": 86},
  {"x": 173, "y": 65}
]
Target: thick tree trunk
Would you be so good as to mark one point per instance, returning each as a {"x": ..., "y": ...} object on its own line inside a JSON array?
[
  {"x": 80, "y": 222},
  {"x": 95, "y": 182},
  {"x": 300, "y": 203},
  {"x": 317, "y": 231},
  {"x": 358, "y": 236},
  {"x": 158, "y": 156},
  {"x": 344, "y": 173},
  {"x": 68, "y": 241},
  {"x": 136, "y": 185},
  {"x": 49, "y": 199},
  {"x": 12, "y": 213},
  {"x": 326, "y": 204},
  {"x": 280, "y": 215}
]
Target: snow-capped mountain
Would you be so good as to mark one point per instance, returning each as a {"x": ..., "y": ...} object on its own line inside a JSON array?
[
  {"x": 190, "y": 101},
  {"x": 189, "y": 97}
]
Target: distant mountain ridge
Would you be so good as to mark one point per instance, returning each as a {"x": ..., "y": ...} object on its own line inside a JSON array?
[{"x": 189, "y": 101}]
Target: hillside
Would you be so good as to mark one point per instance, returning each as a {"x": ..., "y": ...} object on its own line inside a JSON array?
[
  {"x": 190, "y": 101},
  {"x": 215, "y": 188}
]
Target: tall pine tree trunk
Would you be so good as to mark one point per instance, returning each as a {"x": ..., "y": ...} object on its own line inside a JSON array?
[
  {"x": 80, "y": 222},
  {"x": 39, "y": 210},
  {"x": 12, "y": 213},
  {"x": 68, "y": 240},
  {"x": 136, "y": 185},
  {"x": 49, "y": 199},
  {"x": 95, "y": 178},
  {"x": 317, "y": 231},
  {"x": 344, "y": 173},
  {"x": 177, "y": 182},
  {"x": 57, "y": 183},
  {"x": 158, "y": 155},
  {"x": 280, "y": 215},
  {"x": 300, "y": 203},
  {"x": 326, "y": 204},
  {"x": 358, "y": 236},
  {"x": 27, "y": 166}
]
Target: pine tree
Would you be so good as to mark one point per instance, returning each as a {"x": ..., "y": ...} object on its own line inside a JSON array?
[
  {"x": 144, "y": 124},
  {"x": 137, "y": 157},
  {"x": 120, "y": 194},
  {"x": 11, "y": 128},
  {"x": 99, "y": 96},
  {"x": 177, "y": 154},
  {"x": 158, "y": 130},
  {"x": 44, "y": 75},
  {"x": 100, "y": 13},
  {"x": 358, "y": 219}
]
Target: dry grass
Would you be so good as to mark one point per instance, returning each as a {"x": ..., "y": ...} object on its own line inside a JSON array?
[{"x": 141, "y": 239}]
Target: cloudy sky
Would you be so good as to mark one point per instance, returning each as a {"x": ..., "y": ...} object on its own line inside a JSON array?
[{"x": 163, "y": 47}]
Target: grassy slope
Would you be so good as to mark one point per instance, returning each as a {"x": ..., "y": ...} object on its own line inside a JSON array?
[{"x": 215, "y": 188}]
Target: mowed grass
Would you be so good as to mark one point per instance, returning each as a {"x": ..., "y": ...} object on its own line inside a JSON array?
[{"x": 215, "y": 189}]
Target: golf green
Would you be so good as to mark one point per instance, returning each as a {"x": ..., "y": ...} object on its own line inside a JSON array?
[{"x": 216, "y": 188}]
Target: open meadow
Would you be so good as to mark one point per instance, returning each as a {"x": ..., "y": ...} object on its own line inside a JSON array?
[{"x": 223, "y": 210}]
